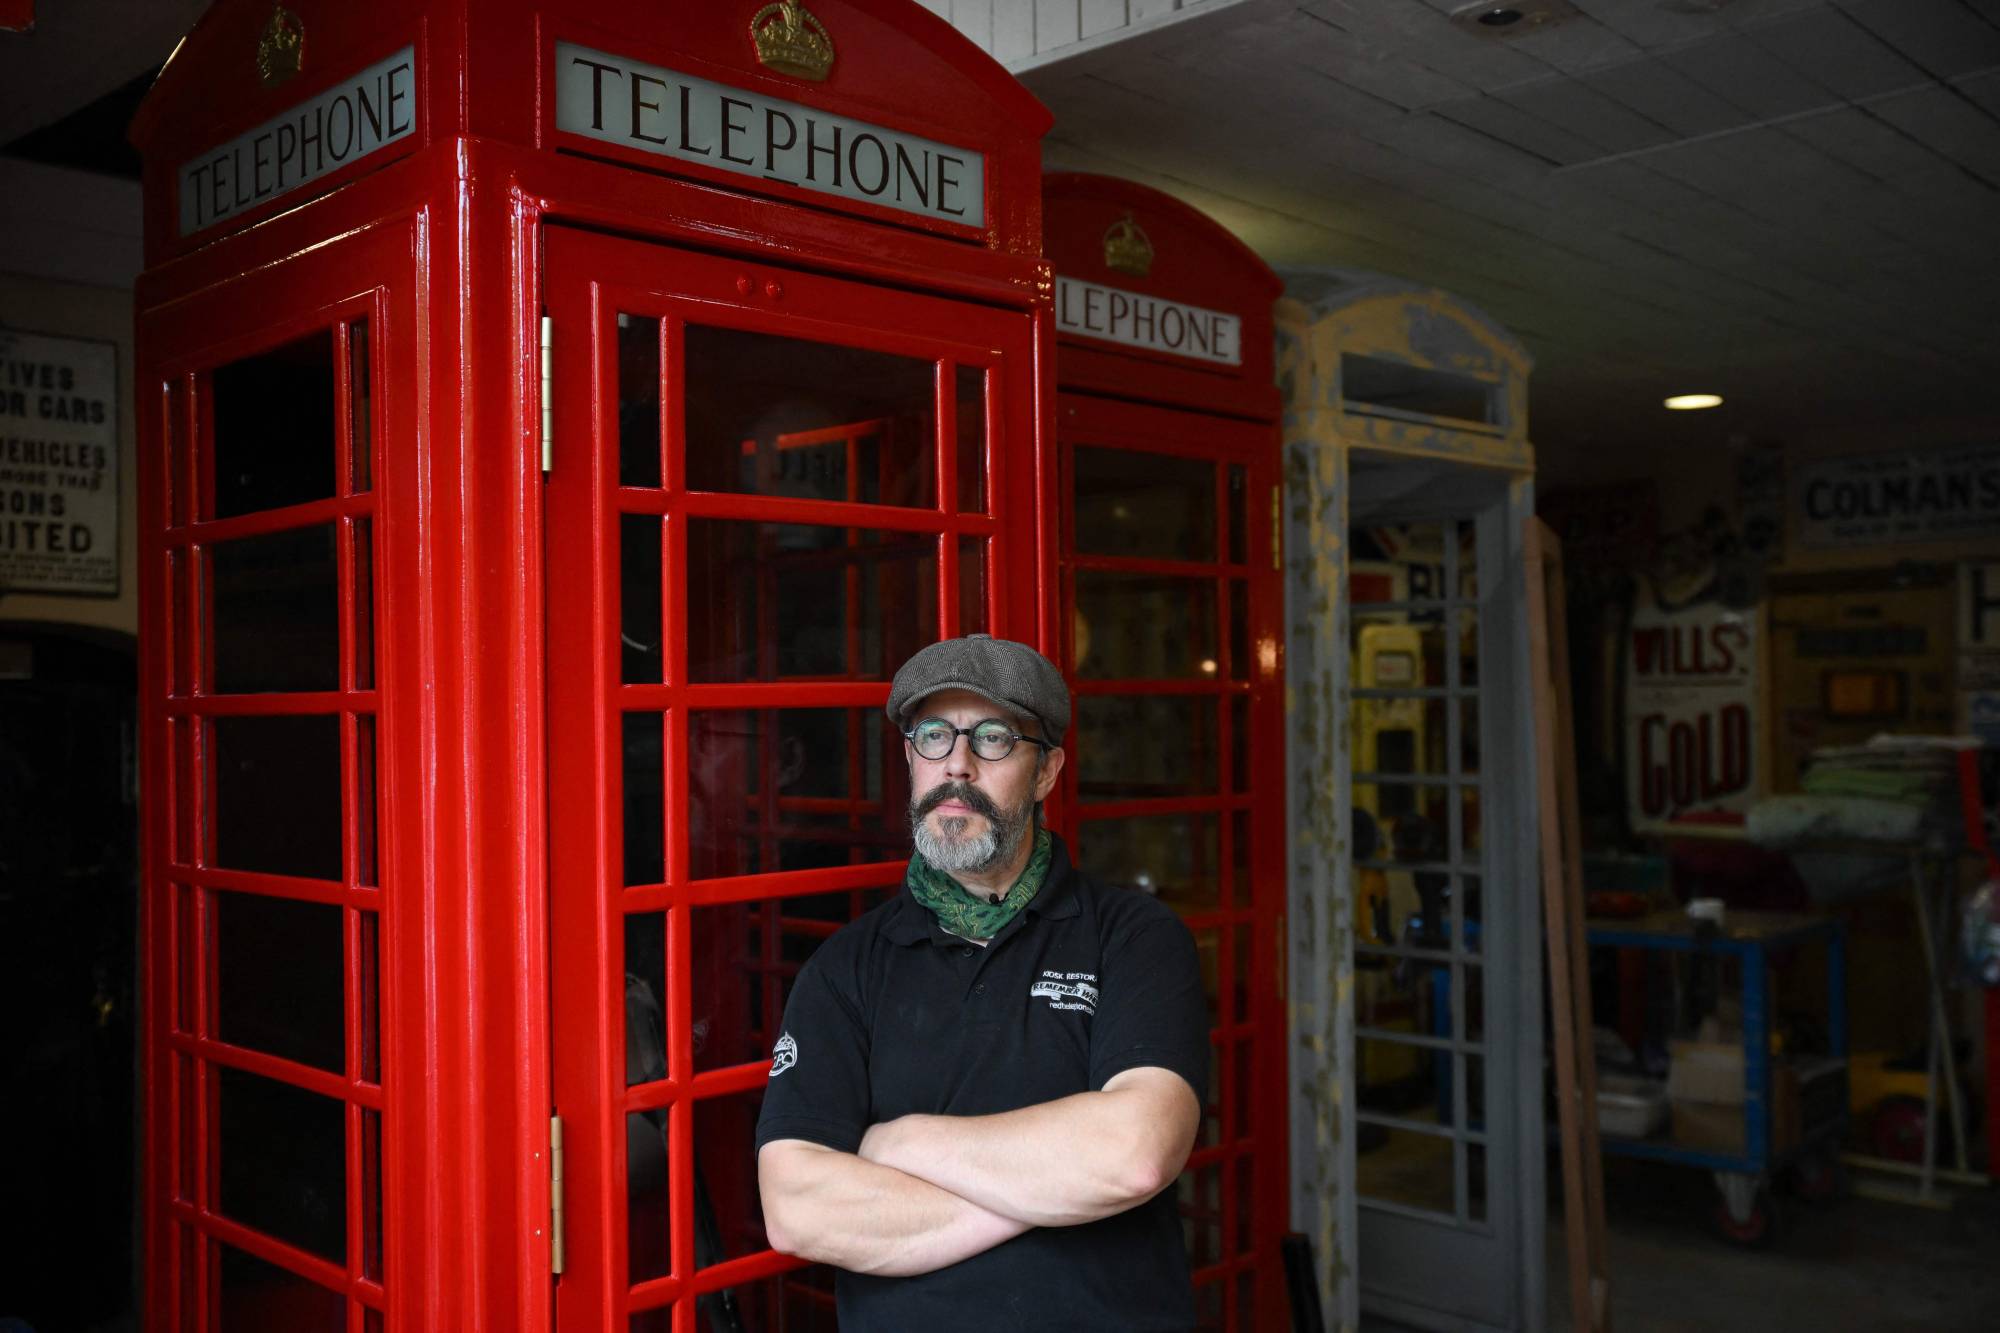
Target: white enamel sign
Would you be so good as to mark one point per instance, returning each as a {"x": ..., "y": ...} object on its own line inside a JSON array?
[
  {"x": 347, "y": 122},
  {"x": 1921, "y": 495},
  {"x": 58, "y": 465},
  {"x": 657, "y": 110},
  {"x": 1137, "y": 320}
]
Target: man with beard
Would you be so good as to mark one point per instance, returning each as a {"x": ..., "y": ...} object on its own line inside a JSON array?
[{"x": 986, "y": 1086}]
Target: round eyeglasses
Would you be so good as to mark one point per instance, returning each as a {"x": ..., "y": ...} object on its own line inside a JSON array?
[{"x": 935, "y": 738}]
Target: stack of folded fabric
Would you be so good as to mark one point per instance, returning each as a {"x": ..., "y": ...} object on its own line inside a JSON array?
[{"x": 1894, "y": 789}]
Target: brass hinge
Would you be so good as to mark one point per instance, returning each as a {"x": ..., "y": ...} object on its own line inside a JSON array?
[
  {"x": 548, "y": 394},
  {"x": 1277, "y": 531},
  {"x": 556, "y": 1255}
]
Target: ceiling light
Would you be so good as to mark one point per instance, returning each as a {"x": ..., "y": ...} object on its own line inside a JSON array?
[
  {"x": 1508, "y": 21},
  {"x": 1499, "y": 18},
  {"x": 1693, "y": 402}
]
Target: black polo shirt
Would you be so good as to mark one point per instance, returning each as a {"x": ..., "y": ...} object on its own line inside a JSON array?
[{"x": 893, "y": 1016}]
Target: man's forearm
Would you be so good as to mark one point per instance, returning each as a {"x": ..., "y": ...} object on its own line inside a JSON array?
[
  {"x": 1060, "y": 1163},
  {"x": 835, "y": 1208}
]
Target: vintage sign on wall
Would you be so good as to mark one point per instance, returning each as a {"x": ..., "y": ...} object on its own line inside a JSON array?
[
  {"x": 1690, "y": 712},
  {"x": 58, "y": 465},
  {"x": 1932, "y": 495},
  {"x": 655, "y": 110},
  {"x": 1979, "y": 650},
  {"x": 1137, "y": 320},
  {"x": 347, "y": 122}
]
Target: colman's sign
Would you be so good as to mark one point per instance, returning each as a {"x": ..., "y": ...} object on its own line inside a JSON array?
[{"x": 1690, "y": 712}]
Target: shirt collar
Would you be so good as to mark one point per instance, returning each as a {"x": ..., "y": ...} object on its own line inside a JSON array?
[{"x": 912, "y": 923}]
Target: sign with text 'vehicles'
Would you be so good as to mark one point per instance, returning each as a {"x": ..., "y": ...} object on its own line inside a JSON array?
[
  {"x": 657, "y": 110},
  {"x": 1927, "y": 495},
  {"x": 1134, "y": 319},
  {"x": 1690, "y": 712},
  {"x": 347, "y": 122},
  {"x": 58, "y": 465}
]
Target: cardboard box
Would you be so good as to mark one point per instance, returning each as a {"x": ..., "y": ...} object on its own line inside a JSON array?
[
  {"x": 1708, "y": 1126},
  {"x": 1705, "y": 1071}
]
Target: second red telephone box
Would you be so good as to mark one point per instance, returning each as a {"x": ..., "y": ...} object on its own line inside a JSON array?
[{"x": 1167, "y": 491}]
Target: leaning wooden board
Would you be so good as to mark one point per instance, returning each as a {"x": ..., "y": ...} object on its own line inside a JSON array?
[{"x": 1562, "y": 905}]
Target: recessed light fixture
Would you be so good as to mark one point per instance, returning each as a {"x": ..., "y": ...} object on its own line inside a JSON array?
[
  {"x": 1492, "y": 20},
  {"x": 1693, "y": 402},
  {"x": 1499, "y": 17}
]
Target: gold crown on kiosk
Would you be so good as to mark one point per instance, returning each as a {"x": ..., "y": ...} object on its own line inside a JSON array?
[
  {"x": 1127, "y": 249},
  {"x": 790, "y": 40}
]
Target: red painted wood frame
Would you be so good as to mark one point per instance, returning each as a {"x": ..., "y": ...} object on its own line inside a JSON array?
[
  {"x": 1173, "y": 615},
  {"x": 435, "y": 245},
  {"x": 670, "y": 540}
]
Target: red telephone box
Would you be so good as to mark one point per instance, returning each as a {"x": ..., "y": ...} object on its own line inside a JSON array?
[
  {"x": 1167, "y": 440},
  {"x": 510, "y": 374}
]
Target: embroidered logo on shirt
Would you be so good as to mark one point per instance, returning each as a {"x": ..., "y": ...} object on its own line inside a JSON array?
[
  {"x": 1068, "y": 990},
  {"x": 784, "y": 1055}
]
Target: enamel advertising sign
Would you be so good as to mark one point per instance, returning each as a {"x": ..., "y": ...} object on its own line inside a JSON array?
[{"x": 1690, "y": 712}]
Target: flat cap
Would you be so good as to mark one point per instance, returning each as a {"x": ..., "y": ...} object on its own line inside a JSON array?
[{"x": 1011, "y": 674}]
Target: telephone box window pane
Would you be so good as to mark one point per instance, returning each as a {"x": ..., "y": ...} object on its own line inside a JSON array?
[
  {"x": 181, "y": 631},
  {"x": 645, "y": 796},
  {"x": 648, "y": 1233},
  {"x": 1170, "y": 856},
  {"x": 793, "y": 789},
  {"x": 638, "y": 401},
  {"x": 1239, "y": 514},
  {"x": 1135, "y": 746},
  {"x": 725, "y": 1160},
  {"x": 277, "y": 794},
  {"x": 364, "y": 800},
  {"x": 186, "y": 1170},
  {"x": 187, "y": 957},
  {"x": 971, "y": 585},
  {"x": 179, "y": 480},
  {"x": 1143, "y": 504},
  {"x": 1239, "y": 629},
  {"x": 1144, "y": 626},
  {"x": 273, "y": 417},
  {"x": 639, "y": 598},
  {"x": 371, "y": 1195},
  {"x": 258, "y": 1297},
  {"x": 971, "y": 388},
  {"x": 275, "y": 609},
  {"x": 368, "y": 933},
  {"x": 800, "y": 1301},
  {"x": 360, "y": 409},
  {"x": 746, "y": 957},
  {"x": 768, "y": 415},
  {"x": 1240, "y": 992},
  {"x": 1208, "y": 953},
  {"x": 284, "y": 1162},
  {"x": 278, "y": 977},
  {"x": 1200, "y": 1196},
  {"x": 776, "y": 601},
  {"x": 1405, "y": 1166},
  {"x": 180, "y": 737},
  {"x": 1239, "y": 742},
  {"x": 363, "y": 538},
  {"x": 645, "y": 998}
]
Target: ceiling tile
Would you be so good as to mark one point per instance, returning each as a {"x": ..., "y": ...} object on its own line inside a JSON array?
[
  {"x": 1951, "y": 127},
  {"x": 1744, "y": 74},
  {"x": 1837, "y": 53},
  {"x": 1656, "y": 90},
  {"x": 1945, "y": 40}
]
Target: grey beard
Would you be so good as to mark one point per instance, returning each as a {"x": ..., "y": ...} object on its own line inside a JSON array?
[{"x": 955, "y": 851}]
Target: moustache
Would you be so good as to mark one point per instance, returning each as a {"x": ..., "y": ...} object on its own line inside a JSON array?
[{"x": 966, "y": 795}]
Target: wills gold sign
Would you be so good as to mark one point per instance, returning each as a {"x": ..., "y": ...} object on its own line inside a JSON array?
[
  {"x": 1127, "y": 248},
  {"x": 281, "y": 50},
  {"x": 792, "y": 41}
]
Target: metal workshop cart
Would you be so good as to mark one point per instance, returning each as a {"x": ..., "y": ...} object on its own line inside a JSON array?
[{"x": 1745, "y": 1212}]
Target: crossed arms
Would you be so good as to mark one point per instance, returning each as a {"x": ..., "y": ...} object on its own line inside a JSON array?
[{"x": 924, "y": 1192}]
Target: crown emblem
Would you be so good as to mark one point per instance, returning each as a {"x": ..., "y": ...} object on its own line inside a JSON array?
[
  {"x": 790, "y": 40},
  {"x": 1127, "y": 249},
  {"x": 281, "y": 48}
]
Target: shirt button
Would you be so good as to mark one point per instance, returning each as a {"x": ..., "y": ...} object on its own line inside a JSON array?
[{"x": 980, "y": 989}]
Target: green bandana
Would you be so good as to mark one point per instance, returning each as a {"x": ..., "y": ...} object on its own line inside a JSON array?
[{"x": 965, "y": 913}]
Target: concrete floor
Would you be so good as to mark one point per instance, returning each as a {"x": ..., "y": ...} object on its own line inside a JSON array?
[{"x": 1854, "y": 1266}]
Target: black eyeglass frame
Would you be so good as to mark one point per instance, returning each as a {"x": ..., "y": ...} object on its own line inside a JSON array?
[{"x": 1013, "y": 738}]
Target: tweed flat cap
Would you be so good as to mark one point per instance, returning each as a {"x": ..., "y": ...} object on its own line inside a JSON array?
[{"x": 1011, "y": 674}]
